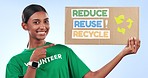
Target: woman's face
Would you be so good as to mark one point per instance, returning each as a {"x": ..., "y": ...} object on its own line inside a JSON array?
[{"x": 38, "y": 25}]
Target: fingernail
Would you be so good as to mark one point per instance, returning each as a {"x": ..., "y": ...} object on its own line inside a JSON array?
[
  {"x": 52, "y": 44},
  {"x": 131, "y": 38}
]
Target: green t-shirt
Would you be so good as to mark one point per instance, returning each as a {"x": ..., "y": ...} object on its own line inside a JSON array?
[{"x": 60, "y": 62}]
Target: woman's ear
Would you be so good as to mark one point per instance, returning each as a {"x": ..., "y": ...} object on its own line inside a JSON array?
[{"x": 24, "y": 26}]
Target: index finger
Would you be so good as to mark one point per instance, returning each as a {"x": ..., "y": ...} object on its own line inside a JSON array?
[{"x": 47, "y": 46}]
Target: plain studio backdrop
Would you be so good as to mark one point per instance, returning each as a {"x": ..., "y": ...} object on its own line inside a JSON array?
[{"x": 14, "y": 39}]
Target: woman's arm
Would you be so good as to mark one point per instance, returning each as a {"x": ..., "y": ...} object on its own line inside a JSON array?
[
  {"x": 30, "y": 73},
  {"x": 131, "y": 48},
  {"x": 38, "y": 54}
]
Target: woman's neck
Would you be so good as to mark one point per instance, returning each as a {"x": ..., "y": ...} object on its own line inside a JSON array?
[{"x": 34, "y": 44}]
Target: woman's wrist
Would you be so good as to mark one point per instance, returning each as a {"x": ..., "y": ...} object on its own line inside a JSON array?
[{"x": 122, "y": 54}]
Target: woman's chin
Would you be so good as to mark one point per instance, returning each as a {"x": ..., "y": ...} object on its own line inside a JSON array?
[{"x": 41, "y": 38}]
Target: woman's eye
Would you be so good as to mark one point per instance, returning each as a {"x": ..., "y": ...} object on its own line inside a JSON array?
[
  {"x": 36, "y": 22},
  {"x": 47, "y": 22}
]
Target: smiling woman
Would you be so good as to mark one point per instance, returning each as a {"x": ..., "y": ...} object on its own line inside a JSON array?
[
  {"x": 45, "y": 60},
  {"x": 35, "y": 19},
  {"x": 37, "y": 25}
]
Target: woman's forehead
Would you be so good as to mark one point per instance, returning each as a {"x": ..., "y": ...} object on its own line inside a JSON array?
[{"x": 39, "y": 15}]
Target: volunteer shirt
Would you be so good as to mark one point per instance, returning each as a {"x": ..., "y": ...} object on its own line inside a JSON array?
[{"x": 60, "y": 62}]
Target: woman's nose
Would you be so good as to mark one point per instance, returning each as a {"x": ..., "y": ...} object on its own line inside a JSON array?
[{"x": 42, "y": 27}]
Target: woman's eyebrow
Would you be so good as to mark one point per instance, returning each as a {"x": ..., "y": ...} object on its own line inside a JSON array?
[
  {"x": 35, "y": 19},
  {"x": 46, "y": 19}
]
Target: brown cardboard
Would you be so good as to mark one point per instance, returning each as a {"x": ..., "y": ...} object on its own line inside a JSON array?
[{"x": 129, "y": 22}]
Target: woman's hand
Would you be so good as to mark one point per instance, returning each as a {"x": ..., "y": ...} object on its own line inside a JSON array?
[
  {"x": 132, "y": 46},
  {"x": 39, "y": 53}
]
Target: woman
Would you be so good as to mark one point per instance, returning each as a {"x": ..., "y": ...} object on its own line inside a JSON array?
[{"x": 45, "y": 60}]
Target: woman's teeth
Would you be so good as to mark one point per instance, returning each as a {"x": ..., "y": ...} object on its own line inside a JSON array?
[{"x": 41, "y": 32}]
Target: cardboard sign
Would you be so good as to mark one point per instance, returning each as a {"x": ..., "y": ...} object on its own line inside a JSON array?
[{"x": 101, "y": 25}]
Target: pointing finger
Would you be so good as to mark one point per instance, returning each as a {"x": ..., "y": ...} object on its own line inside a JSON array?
[{"x": 47, "y": 46}]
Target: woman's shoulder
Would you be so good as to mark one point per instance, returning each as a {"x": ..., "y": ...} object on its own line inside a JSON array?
[
  {"x": 14, "y": 58},
  {"x": 17, "y": 57},
  {"x": 61, "y": 47},
  {"x": 58, "y": 45}
]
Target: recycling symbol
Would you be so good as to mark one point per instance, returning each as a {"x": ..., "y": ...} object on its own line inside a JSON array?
[{"x": 119, "y": 20}]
